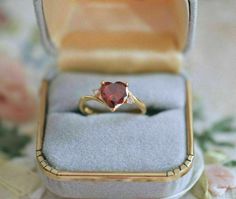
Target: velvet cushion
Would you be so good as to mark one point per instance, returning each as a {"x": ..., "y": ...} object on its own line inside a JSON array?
[{"x": 117, "y": 141}]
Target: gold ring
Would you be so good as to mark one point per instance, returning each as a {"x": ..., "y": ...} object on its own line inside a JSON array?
[{"x": 112, "y": 95}]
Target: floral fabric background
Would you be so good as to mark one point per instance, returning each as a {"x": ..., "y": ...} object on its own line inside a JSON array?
[{"x": 211, "y": 65}]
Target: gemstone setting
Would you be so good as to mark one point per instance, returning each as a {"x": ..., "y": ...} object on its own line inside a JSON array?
[{"x": 114, "y": 94}]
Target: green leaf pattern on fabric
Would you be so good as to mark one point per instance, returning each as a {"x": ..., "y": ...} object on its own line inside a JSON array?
[
  {"x": 200, "y": 190},
  {"x": 11, "y": 141}
]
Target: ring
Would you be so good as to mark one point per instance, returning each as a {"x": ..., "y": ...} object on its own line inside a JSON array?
[{"x": 112, "y": 95}]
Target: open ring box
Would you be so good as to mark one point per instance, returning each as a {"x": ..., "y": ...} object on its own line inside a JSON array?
[{"x": 117, "y": 155}]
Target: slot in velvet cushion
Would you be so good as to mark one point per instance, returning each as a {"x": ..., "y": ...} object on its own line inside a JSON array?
[{"x": 116, "y": 141}]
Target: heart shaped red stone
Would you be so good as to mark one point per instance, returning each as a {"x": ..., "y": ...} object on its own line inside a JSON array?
[{"x": 113, "y": 94}]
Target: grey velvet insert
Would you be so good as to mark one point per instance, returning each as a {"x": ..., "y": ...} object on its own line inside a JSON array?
[{"x": 116, "y": 141}]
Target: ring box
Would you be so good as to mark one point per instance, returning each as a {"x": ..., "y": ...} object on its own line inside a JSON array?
[{"x": 117, "y": 155}]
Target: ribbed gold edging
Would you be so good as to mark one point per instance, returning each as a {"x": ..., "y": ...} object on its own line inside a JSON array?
[{"x": 112, "y": 176}]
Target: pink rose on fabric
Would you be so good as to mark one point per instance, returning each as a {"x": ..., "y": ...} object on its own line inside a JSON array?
[
  {"x": 220, "y": 179},
  {"x": 3, "y": 18},
  {"x": 17, "y": 103}
]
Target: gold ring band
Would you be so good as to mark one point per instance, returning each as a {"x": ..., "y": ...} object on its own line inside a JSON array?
[{"x": 112, "y": 95}]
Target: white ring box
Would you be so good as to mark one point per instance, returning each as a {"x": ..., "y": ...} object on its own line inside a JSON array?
[{"x": 150, "y": 37}]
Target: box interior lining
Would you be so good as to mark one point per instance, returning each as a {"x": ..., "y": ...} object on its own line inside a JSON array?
[{"x": 91, "y": 35}]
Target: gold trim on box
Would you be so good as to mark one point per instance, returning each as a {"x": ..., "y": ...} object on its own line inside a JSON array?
[{"x": 167, "y": 176}]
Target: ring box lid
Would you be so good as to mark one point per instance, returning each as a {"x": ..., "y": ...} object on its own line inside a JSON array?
[{"x": 122, "y": 36}]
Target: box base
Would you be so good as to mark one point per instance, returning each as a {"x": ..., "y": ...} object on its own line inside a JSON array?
[{"x": 128, "y": 190}]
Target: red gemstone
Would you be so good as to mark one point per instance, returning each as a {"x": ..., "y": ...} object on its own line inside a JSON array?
[{"x": 113, "y": 93}]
